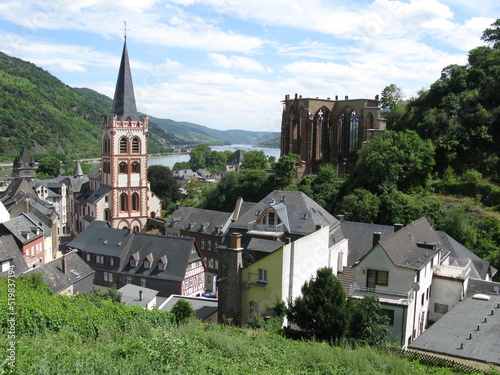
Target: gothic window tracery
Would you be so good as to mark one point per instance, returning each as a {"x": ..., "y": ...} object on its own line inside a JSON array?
[
  {"x": 353, "y": 131},
  {"x": 123, "y": 168}
]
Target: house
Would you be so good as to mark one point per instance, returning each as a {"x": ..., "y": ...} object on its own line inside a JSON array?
[
  {"x": 11, "y": 256},
  {"x": 170, "y": 265},
  {"x": 28, "y": 237},
  {"x": 416, "y": 277},
  {"x": 271, "y": 250},
  {"x": 208, "y": 228},
  {"x": 139, "y": 296},
  {"x": 470, "y": 331},
  {"x": 67, "y": 275},
  {"x": 205, "y": 308}
]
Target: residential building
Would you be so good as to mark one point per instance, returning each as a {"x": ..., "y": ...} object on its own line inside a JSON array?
[
  {"x": 170, "y": 265},
  {"x": 208, "y": 228},
  {"x": 271, "y": 250},
  {"x": 205, "y": 309},
  {"x": 11, "y": 256}
]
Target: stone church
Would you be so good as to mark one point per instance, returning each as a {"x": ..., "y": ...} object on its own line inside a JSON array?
[
  {"x": 325, "y": 131},
  {"x": 119, "y": 191}
]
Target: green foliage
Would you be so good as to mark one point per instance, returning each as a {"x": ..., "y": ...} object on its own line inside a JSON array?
[
  {"x": 392, "y": 97},
  {"x": 254, "y": 160},
  {"x": 163, "y": 184},
  {"x": 180, "y": 165},
  {"x": 400, "y": 159},
  {"x": 182, "y": 311},
  {"x": 368, "y": 324},
  {"x": 492, "y": 35},
  {"x": 361, "y": 205},
  {"x": 321, "y": 311},
  {"x": 49, "y": 166},
  {"x": 286, "y": 166}
]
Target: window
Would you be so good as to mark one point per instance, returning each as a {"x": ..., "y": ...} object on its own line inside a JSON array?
[
  {"x": 209, "y": 245},
  {"x": 105, "y": 276},
  {"x": 203, "y": 244},
  {"x": 129, "y": 280},
  {"x": 135, "y": 202},
  {"x": 136, "y": 167},
  {"x": 133, "y": 262},
  {"x": 161, "y": 266},
  {"x": 106, "y": 214},
  {"x": 87, "y": 257},
  {"x": 423, "y": 298},
  {"x": 123, "y": 146},
  {"x": 123, "y": 202},
  {"x": 262, "y": 276},
  {"x": 110, "y": 277},
  {"x": 440, "y": 308},
  {"x": 99, "y": 259},
  {"x": 143, "y": 283},
  {"x": 136, "y": 145},
  {"x": 376, "y": 277},
  {"x": 111, "y": 261},
  {"x": 210, "y": 263},
  {"x": 353, "y": 132},
  {"x": 147, "y": 264},
  {"x": 216, "y": 264},
  {"x": 390, "y": 314},
  {"x": 123, "y": 167},
  {"x": 253, "y": 309}
]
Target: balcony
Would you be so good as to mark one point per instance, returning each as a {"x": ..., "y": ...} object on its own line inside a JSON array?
[
  {"x": 384, "y": 296},
  {"x": 453, "y": 268},
  {"x": 266, "y": 230}
]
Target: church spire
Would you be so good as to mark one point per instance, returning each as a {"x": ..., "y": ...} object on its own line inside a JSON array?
[{"x": 124, "y": 102}]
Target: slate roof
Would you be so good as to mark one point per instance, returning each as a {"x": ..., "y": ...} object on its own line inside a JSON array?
[
  {"x": 124, "y": 101},
  {"x": 237, "y": 158},
  {"x": 177, "y": 251},
  {"x": 99, "y": 238},
  {"x": 53, "y": 275},
  {"x": 360, "y": 237},
  {"x": 203, "y": 307},
  {"x": 10, "y": 250},
  {"x": 22, "y": 229},
  {"x": 202, "y": 221},
  {"x": 17, "y": 189},
  {"x": 451, "y": 331},
  {"x": 479, "y": 269},
  {"x": 406, "y": 246},
  {"x": 303, "y": 214},
  {"x": 482, "y": 286},
  {"x": 130, "y": 295}
]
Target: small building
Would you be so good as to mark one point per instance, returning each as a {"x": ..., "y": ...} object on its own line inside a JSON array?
[
  {"x": 206, "y": 309},
  {"x": 11, "y": 257},
  {"x": 138, "y": 296}
]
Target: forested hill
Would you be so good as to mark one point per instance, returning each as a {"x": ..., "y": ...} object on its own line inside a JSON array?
[{"x": 39, "y": 111}]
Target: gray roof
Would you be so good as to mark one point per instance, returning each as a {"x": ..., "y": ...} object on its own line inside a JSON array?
[
  {"x": 413, "y": 245},
  {"x": 451, "y": 331},
  {"x": 202, "y": 221},
  {"x": 482, "y": 286},
  {"x": 303, "y": 215},
  {"x": 17, "y": 190},
  {"x": 176, "y": 252},
  {"x": 360, "y": 237},
  {"x": 99, "y": 238},
  {"x": 23, "y": 229},
  {"x": 124, "y": 101},
  {"x": 237, "y": 158},
  {"x": 10, "y": 250},
  {"x": 480, "y": 269},
  {"x": 130, "y": 295},
  {"x": 203, "y": 307},
  {"x": 53, "y": 275}
]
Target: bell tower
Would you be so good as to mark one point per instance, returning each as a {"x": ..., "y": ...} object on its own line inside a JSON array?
[{"x": 125, "y": 156}]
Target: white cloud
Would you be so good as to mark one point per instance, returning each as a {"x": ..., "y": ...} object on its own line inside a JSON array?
[{"x": 236, "y": 62}]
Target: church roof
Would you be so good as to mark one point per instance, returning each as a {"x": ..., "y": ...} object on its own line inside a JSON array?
[{"x": 124, "y": 106}]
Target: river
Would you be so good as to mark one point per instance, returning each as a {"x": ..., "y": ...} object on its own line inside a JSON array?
[{"x": 170, "y": 160}]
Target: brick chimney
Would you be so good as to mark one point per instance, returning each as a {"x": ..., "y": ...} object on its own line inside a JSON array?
[
  {"x": 64, "y": 265},
  {"x": 376, "y": 237}
]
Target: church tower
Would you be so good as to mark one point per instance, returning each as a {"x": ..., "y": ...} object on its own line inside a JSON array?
[
  {"x": 24, "y": 165},
  {"x": 129, "y": 202}
]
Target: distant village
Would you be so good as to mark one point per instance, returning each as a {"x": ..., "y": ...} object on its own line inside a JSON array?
[{"x": 105, "y": 229}]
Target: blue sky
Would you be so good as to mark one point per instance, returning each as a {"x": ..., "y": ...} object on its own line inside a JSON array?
[{"x": 227, "y": 64}]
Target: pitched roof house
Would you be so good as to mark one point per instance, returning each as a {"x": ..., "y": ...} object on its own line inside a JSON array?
[
  {"x": 273, "y": 248},
  {"x": 170, "y": 265}
]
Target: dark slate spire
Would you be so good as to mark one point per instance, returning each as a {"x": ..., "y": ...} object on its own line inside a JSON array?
[{"x": 124, "y": 102}]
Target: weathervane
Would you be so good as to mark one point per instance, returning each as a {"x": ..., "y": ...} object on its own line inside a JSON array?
[{"x": 125, "y": 29}]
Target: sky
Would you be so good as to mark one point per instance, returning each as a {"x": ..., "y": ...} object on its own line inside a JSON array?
[{"x": 228, "y": 64}]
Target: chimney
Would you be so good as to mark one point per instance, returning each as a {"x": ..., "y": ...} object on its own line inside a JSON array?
[
  {"x": 376, "y": 237},
  {"x": 236, "y": 240},
  {"x": 237, "y": 209},
  {"x": 336, "y": 97},
  {"x": 288, "y": 240},
  {"x": 64, "y": 265},
  {"x": 340, "y": 217},
  {"x": 397, "y": 227},
  {"x": 346, "y": 97},
  {"x": 140, "y": 295}
]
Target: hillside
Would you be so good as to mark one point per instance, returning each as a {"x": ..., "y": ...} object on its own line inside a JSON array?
[
  {"x": 49, "y": 117},
  {"x": 91, "y": 334}
]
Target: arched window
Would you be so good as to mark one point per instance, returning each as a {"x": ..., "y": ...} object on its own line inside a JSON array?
[
  {"x": 153, "y": 214},
  {"x": 106, "y": 214},
  {"x": 135, "y": 202},
  {"x": 136, "y": 145},
  {"x": 123, "y": 167},
  {"x": 136, "y": 228},
  {"x": 136, "y": 167},
  {"x": 341, "y": 132},
  {"x": 106, "y": 145},
  {"x": 353, "y": 132},
  {"x": 123, "y": 146},
  {"x": 123, "y": 202}
]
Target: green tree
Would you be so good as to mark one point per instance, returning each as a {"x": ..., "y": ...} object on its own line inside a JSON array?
[
  {"x": 181, "y": 165},
  {"x": 321, "y": 311},
  {"x": 286, "y": 167},
  {"x": 392, "y": 97},
  {"x": 163, "y": 184},
  {"x": 182, "y": 311},
  {"x": 198, "y": 158},
  {"x": 492, "y": 35},
  {"x": 368, "y": 323},
  {"x": 49, "y": 167},
  {"x": 254, "y": 160},
  {"x": 401, "y": 159},
  {"x": 361, "y": 205}
]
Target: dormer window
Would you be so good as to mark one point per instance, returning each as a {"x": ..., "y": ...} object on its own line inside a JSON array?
[{"x": 133, "y": 262}]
